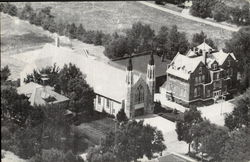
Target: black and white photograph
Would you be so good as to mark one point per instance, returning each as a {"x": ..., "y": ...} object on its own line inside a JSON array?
[{"x": 125, "y": 81}]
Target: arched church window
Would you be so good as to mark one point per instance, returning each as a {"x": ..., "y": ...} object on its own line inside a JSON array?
[{"x": 139, "y": 95}]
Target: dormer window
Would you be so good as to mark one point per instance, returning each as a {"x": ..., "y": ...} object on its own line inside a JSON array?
[{"x": 215, "y": 66}]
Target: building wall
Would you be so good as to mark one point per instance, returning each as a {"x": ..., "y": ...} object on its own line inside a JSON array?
[
  {"x": 110, "y": 106},
  {"x": 203, "y": 84}
]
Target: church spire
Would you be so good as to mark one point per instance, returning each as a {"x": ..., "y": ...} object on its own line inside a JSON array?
[
  {"x": 130, "y": 66},
  {"x": 151, "y": 61}
]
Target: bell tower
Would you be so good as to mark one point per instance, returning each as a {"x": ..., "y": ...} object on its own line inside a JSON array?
[
  {"x": 151, "y": 82},
  {"x": 129, "y": 84}
]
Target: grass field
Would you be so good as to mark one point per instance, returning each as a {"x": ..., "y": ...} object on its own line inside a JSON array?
[
  {"x": 234, "y": 3},
  {"x": 116, "y": 16},
  {"x": 18, "y": 37}
]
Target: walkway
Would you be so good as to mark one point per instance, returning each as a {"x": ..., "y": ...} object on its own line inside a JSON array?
[{"x": 190, "y": 17}]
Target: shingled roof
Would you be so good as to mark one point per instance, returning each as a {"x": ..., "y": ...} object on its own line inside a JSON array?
[{"x": 40, "y": 95}]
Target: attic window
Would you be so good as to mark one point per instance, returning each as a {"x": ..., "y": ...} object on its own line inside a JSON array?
[
  {"x": 50, "y": 99},
  {"x": 215, "y": 66}
]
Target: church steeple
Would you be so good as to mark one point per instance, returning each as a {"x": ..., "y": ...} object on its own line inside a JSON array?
[
  {"x": 130, "y": 66},
  {"x": 151, "y": 81},
  {"x": 129, "y": 85},
  {"x": 151, "y": 61}
]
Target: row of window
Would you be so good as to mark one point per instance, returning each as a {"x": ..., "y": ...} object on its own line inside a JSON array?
[
  {"x": 199, "y": 79},
  {"x": 108, "y": 102}
]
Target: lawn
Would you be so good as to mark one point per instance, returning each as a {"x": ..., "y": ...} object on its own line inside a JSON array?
[
  {"x": 116, "y": 16},
  {"x": 234, "y": 3}
]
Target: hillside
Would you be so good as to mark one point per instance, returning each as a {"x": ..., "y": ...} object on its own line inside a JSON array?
[{"x": 116, "y": 16}]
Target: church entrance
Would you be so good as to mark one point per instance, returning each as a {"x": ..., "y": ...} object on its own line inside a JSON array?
[{"x": 139, "y": 112}]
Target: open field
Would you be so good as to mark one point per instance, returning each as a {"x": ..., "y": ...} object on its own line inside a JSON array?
[{"x": 117, "y": 16}]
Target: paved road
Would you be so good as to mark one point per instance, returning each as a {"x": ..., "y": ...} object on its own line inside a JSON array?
[{"x": 233, "y": 29}]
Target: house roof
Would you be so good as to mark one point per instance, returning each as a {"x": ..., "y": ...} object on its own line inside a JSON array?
[
  {"x": 221, "y": 56},
  {"x": 38, "y": 94},
  {"x": 204, "y": 46},
  {"x": 182, "y": 66},
  {"x": 140, "y": 63},
  {"x": 106, "y": 80}
]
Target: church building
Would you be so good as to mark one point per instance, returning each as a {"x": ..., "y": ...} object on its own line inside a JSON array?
[{"x": 115, "y": 88}]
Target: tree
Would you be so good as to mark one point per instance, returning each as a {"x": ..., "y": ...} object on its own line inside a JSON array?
[
  {"x": 14, "y": 107},
  {"x": 239, "y": 45},
  {"x": 132, "y": 140},
  {"x": 240, "y": 117},
  {"x": 177, "y": 43},
  {"x": 117, "y": 48},
  {"x": 80, "y": 32},
  {"x": 121, "y": 116},
  {"x": 220, "y": 12},
  {"x": 81, "y": 96},
  {"x": 209, "y": 138},
  {"x": 142, "y": 36},
  {"x": 202, "y": 8},
  {"x": 237, "y": 147},
  {"x": 26, "y": 12},
  {"x": 5, "y": 73},
  {"x": 191, "y": 117},
  {"x": 67, "y": 73},
  {"x": 199, "y": 38},
  {"x": 161, "y": 39}
]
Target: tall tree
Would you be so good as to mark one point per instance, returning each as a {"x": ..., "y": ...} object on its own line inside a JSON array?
[
  {"x": 177, "y": 42},
  {"x": 237, "y": 147},
  {"x": 131, "y": 141},
  {"x": 240, "y": 117},
  {"x": 121, "y": 116},
  {"x": 239, "y": 45},
  {"x": 199, "y": 38},
  {"x": 202, "y": 8},
  {"x": 191, "y": 117},
  {"x": 5, "y": 73}
]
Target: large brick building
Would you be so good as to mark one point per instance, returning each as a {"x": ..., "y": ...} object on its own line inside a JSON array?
[{"x": 201, "y": 76}]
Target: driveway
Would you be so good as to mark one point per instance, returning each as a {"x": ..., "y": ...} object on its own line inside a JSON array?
[{"x": 189, "y": 17}]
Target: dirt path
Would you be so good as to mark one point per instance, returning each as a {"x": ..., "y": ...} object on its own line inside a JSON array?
[{"x": 233, "y": 29}]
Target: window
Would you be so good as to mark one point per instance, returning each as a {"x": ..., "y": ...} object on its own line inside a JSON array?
[
  {"x": 229, "y": 63},
  {"x": 196, "y": 80},
  {"x": 139, "y": 96},
  {"x": 195, "y": 92},
  {"x": 203, "y": 78},
  {"x": 208, "y": 93},
  {"x": 107, "y": 102},
  {"x": 200, "y": 70},
  {"x": 99, "y": 99},
  {"x": 215, "y": 66},
  {"x": 231, "y": 72}
]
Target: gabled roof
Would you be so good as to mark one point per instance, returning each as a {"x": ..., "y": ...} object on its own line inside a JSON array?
[
  {"x": 221, "y": 56},
  {"x": 204, "y": 46},
  {"x": 182, "y": 66},
  {"x": 38, "y": 94},
  {"x": 106, "y": 80}
]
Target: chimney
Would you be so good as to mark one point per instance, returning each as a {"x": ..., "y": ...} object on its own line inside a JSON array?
[{"x": 57, "y": 41}]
